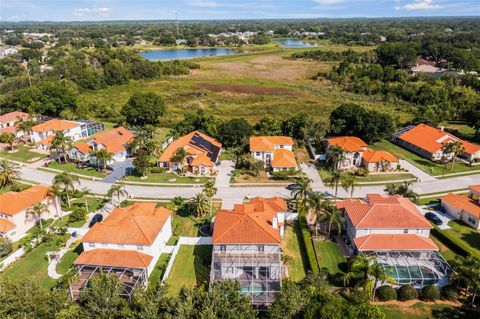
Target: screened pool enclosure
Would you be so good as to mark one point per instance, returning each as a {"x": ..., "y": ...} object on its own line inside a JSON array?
[{"x": 417, "y": 268}]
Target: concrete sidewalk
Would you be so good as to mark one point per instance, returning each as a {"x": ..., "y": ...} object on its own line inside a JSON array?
[{"x": 415, "y": 171}]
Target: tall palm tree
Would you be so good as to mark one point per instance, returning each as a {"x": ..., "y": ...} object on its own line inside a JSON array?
[
  {"x": 348, "y": 183},
  {"x": 455, "y": 148},
  {"x": 56, "y": 192},
  {"x": 86, "y": 192},
  {"x": 179, "y": 157},
  {"x": 8, "y": 138},
  {"x": 199, "y": 204},
  {"x": 25, "y": 125},
  {"x": 333, "y": 181},
  {"x": 315, "y": 203},
  {"x": 61, "y": 144},
  {"x": 333, "y": 216},
  {"x": 66, "y": 182},
  {"x": 37, "y": 211},
  {"x": 117, "y": 190},
  {"x": 102, "y": 156},
  {"x": 303, "y": 190},
  {"x": 9, "y": 172},
  {"x": 335, "y": 155},
  {"x": 402, "y": 189},
  {"x": 210, "y": 190}
]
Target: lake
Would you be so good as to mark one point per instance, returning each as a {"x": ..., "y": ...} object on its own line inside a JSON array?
[
  {"x": 181, "y": 54},
  {"x": 295, "y": 43}
]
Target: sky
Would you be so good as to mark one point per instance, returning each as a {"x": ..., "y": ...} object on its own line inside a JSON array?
[{"x": 97, "y": 10}]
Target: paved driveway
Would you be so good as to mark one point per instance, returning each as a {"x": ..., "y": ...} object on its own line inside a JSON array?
[
  {"x": 443, "y": 216},
  {"x": 224, "y": 173},
  {"x": 418, "y": 173},
  {"x": 312, "y": 173},
  {"x": 119, "y": 170}
]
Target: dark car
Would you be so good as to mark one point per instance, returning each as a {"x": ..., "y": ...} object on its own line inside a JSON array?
[
  {"x": 97, "y": 218},
  {"x": 292, "y": 187},
  {"x": 433, "y": 218}
]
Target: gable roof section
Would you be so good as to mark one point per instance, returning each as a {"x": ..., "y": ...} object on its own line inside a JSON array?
[
  {"x": 54, "y": 125},
  {"x": 13, "y": 116},
  {"x": 114, "y": 140},
  {"x": 394, "y": 242},
  {"x": 114, "y": 258},
  {"x": 12, "y": 203},
  {"x": 371, "y": 156},
  {"x": 6, "y": 225},
  {"x": 462, "y": 203},
  {"x": 267, "y": 143},
  {"x": 474, "y": 188},
  {"x": 384, "y": 212},
  {"x": 347, "y": 143},
  {"x": 194, "y": 143},
  {"x": 138, "y": 224},
  {"x": 283, "y": 158},
  {"x": 470, "y": 148}
]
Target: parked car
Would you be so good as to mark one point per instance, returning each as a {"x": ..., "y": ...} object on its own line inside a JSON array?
[
  {"x": 97, "y": 218},
  {"x": 433, "y": 218},
  {"x": 292, "y": 187}
]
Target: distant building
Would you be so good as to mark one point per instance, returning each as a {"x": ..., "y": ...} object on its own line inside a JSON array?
[
  {"x": 9, "y": 122},
  {"x": 464, "y": 208},
  {"x": 7, "y": 51},
  {"x": 275, "y": 151}
]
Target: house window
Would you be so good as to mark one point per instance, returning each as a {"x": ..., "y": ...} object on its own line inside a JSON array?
[
  {"x": 104, "y": 244},
  {"x": 405, "y": 231},
  {"x": 261, "y": 248},
  {"x": 139, "y": 247},
  {"x": 281, "y": 146},
  {"x": 257, "y": 153},
  {"x": 91, "y": 245},
  {"x": 223, "y": 248},
  {"x": 264, "y": 272},
  {"x": 121, "y": 246},
  {"x": 471, "y": 219}
]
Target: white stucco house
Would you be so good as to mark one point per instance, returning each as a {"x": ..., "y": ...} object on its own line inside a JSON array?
[
  {"x": 464, "y": 208},
  {"x": 276, "y": 152}
]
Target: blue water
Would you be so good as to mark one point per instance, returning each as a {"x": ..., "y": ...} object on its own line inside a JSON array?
[
  {"x": 181, "y": 54},
  {"x": 295, "y": 43}
]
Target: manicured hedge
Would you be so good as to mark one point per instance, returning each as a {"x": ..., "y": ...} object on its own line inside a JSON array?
[
  {"x": 308, "y": 244},
  {"x": 458, "y": 246},
  {"x": 450, "y": 292},
  {"x": 407, "y": 292},
  {"x": 431, "y": 293},
  {"x": 386, "y": 293}
]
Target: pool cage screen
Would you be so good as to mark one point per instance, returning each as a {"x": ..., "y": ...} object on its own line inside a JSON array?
[
  {"x": 417, "y": 268},
  {"x": 259, "y": 274}
]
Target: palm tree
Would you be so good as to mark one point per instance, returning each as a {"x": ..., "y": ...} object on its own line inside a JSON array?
[
  {"x": 61, "y": 144},
  {"x": 117, "y": 190},
  {"x": 455, "y": 148},
  {"x": 467, "y": 270},
  {"x": 102, "y": 156},
  {"x": 348, "y": 183},
  {"x": 379, "y": 275},
  {"x": 333, "y": 216},
  {"x": 25, "y": 125},
  {"x": 179, "y": 157},
  {"x": 334, "y": 180},
  {"x": 335, "y": 156},
  {"x": 199, "y": 204},
  {"x": 55, "y": 192},
  {"x": 9, "y": 172},
  {"x": 303, "y": 190},
  {"x": 315, "y": 203},
  {"x": 86, "y": 192},
  {"x": 66, "y": 182},
  {"x": 402, "y": 189},
  {"x": 8, "y": 138},
  {"x": 210, "y": 190},
  {"x": 37, "y": 211}
]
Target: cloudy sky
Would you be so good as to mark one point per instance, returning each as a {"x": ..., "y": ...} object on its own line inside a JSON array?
[{"x": 89, "y": 10}]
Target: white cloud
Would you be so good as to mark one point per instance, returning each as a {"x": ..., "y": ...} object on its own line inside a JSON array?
[
  {"x": 421, "y": 5},
  {"x": 103, "y": 12},
  {"x": 206, "y": 4}
]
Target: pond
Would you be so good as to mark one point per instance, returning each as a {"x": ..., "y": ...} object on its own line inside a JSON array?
[
  {"x": 181, "y": 54},
  {"x": 295, "y": 43}
]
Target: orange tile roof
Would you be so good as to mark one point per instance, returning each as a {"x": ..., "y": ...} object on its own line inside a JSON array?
[
  {"x": 384, "y": 212},
  {"x": 470, "y": 148},
  {"x": 388, "y": 242},
  {"x": 348, "y": 143},
  {"x": 114, "y": 258},
  {"x": 283, "y": 158},
  {"x": 249, "y": 223},
  {"x": 6, "y": 225},
  {"x": 83, "y": 147},
  {"x": 371, "y": 156},
  {"x": 138, "y": 224},
  {"x": 210, "y": 147},
  {"x": 55, "y": 125},
  {"x": 267, "y": 143},
  {"x": 202, "y": 160},
  {"x": 114, "y": 140},
  {"x": 12, "y": 203},
  {"x": 47, "y": 141},
  {"x": 13, "y": 116},
  {"x": 8, "y": 129},
  {"x": 475, "y": 188},
  {"x": 463, "y": 203}
]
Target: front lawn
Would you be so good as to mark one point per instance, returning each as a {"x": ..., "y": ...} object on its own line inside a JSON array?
[
  {"x": 158, "y": 271},
  {"x": 371, "y": 178},
  {"x": 421, "y": 162},
  {"x": 422, "y": 310},
  {"x": 22, "y": 153},
  {"x": 462, "y": 232},
  {"x": 191, "y": 268},
  {"x": 330, "y": 258},
  {"x": 165, "y": 178},
  {"x": 262, "y": 178},
  {"x": 70, "y": 167},
  {"x": 67, "y": 260},
  {"x": 291, "y": 247}
]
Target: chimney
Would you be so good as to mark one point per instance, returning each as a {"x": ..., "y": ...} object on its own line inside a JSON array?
[{"x": 275, "y": 223}]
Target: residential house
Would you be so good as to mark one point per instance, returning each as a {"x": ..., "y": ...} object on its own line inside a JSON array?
[
  {"x": 464, "y": 208},
  {"x": 202, "y": 153},
  {"x": 427, "y": 67},
  {"x": 9, "y": 122},
  {"x": 114, "y": 141},
  {"x": 428, "y": 142},
  {"x": 14, "y": 218},
  {"x": 127, "y": 243},
  {"x": 246, "y": 247},
  {"x": 394, "y": 231},
  {"x": 378, "y": 161},
  {"x": 275, "y": 151}
]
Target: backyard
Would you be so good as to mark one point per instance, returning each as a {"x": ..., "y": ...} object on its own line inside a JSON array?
[
  {"x": 422, "y": 310},
  {"x": 291, "y": 247},
  {"x": 22, "y": 153},
  {"x": 191, "y": 268},
  {"x": 157, "y": 273},
  {"x": 331, "y": 259}
]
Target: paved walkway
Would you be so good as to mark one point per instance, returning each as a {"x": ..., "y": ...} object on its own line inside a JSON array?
[
  {"x": 311, "y": 171},
  {"x": 119, "y": 170},
  {"x": 415, "y": 171},
  {"x": 224, "y": 174}
]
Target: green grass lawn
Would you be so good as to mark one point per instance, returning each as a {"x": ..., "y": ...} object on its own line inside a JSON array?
[
  {"x": 464, "y": 233},
  {"x": 161, "y": 134},
  {"x": 157, "y": 273},
  {"x": 22, "y": 153},
  {"x": 164, "y": 178},
  {"x": 421, "y": 162},
  {"x": 330, "y": 258},
  {"x": 191, "y": 268},
  {"x": 421, "y": 311},
  {"x": 291, "y": 247},
  {"x": 67, "y": 260},
  {"x": 325, "y": 175},
  {"x": 70, "y": 167},
  {"x": 446, "y": 252}
]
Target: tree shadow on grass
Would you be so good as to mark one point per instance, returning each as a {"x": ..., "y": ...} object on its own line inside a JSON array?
[
  {"x": 455, "y": 313},
  {"x": 202, "y": 260},
  {"x": 301, "y": 244}
]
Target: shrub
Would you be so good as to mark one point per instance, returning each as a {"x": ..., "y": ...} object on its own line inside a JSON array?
[
  {"x": 407, "y": 292},
  {"x": 450, "y": 293},
  {"x": 6, "y": 246},
  {"x": 76, "y": 215},
  {"x": 386, "y": 293},
  {"x": 431, "y": 293},
  {"x": 284, "y": 175},
  {"x": 157, "y": 170},
  {"x": 361, "y": 172}
]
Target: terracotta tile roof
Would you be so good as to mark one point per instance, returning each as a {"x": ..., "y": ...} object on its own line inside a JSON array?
[
  {"x": 12, "y": 116},
  {"x": 348, "y": 143},
  {"x": 47, "y": 141},
  {"x": 114, "y": 140},
  {"x": 371, "y": 156},
  {"x": 424, "y": 62},
  {"x": 202, "y": 160},
  {"x": 267, "y": 143},
  {"x": 114, "y": 258},
  {"x": 8, "y": 129},
  {"x": 389, "y": 242},
  {"x": 194, "y": 143},
  {"x": 283, "y": 158},
  {"x": 462, "y": 203},
  {"x": 138, "y": 224},
  {"x": 55, "y": 125},
  {"x": 12, "y": 203},
  {"x": 249, "y": 223},
  {"x": 470, "y": 148},
  {"x": 382, "y": 212},
  {"x": 6, "y": 225},
  {"x": 475, "y": 188},
  {"x": 83, "y": 147}
]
